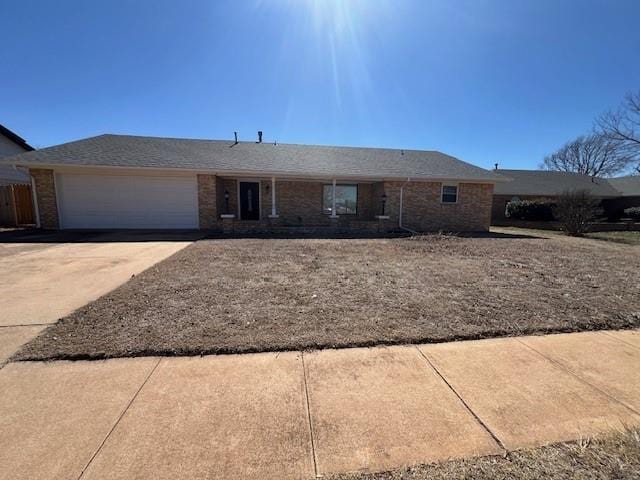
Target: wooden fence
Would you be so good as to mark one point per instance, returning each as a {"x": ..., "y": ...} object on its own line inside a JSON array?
[{"x": 16, "y": 206}]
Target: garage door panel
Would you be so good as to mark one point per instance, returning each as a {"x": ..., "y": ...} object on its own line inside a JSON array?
[{"x": 119, "y": 201}]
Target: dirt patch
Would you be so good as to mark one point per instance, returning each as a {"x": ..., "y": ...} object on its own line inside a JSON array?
[
  {"x": 247, "y": 295},
  {"x": 616, "y": 456}
]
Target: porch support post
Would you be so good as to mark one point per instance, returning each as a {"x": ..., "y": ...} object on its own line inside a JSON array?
[
  {"x": 333, "y": 200},
  {"x": 274, "y": 213}
]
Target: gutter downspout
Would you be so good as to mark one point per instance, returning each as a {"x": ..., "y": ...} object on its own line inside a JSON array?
[
  {"x": 400, "y": 226},
  {"x": 34, "y": 199}
]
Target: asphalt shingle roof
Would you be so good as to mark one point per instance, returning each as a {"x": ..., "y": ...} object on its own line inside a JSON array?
[
  {"x": 543, "y": 182},
  {"x": 627, "y": 186},
  {"x": 222, "y": 156}
]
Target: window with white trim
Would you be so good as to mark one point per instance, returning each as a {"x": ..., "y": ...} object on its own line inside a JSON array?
[
  {"x": 449, "y": 194},
  {"x": 346, "y": 199}
]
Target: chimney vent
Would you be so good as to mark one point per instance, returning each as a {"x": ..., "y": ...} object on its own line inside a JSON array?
[
  {"x": 235, "y": 134},
  {"x": 496, "y": 165},
  {"x": 259, "y": 136}
]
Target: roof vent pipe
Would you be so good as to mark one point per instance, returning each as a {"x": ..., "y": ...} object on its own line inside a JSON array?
[
  {"x": 235, "y": 134},
  {"x": 259, "y": 136},
  {"x": 496, "y": 165}
]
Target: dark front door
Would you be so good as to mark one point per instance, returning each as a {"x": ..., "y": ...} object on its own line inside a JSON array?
[{"x": 249, "y": 201}]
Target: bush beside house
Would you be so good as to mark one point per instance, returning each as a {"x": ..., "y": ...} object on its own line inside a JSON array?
[
  {"x": 576, "y": 210},
  {"x": 533, "y": 210},
  {"x": 633, "y": 212}
]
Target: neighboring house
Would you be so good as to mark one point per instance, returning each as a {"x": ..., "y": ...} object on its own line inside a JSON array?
[
  {"x": 544, "y": 185},
  {"x": 118, "y": 181},
  {"x": 16, "y": 206},
  {"x": 629, "y": 191},
  {"x": 12, "y": 144}
]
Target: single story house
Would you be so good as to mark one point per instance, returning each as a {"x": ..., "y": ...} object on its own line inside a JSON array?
[
  {"x": 544, "y": 185},
  {"x": 121, "y": 181}
]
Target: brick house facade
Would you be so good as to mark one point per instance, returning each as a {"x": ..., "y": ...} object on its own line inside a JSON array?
[{"x": 300, "y": 204}]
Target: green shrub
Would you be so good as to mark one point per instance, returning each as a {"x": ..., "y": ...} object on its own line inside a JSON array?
[
  {"x": 536, "y": 210},
  {"x": 633, "y": 212}
]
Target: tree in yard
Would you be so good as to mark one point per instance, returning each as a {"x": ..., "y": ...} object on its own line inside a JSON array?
[
  {"x": 595, "y": 155},
  {"x": 576, "y": 210},
  {"x": 622, "y": 127}
]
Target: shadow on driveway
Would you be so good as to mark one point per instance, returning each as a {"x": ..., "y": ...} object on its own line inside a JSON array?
[{"x": 97, "y": 236}]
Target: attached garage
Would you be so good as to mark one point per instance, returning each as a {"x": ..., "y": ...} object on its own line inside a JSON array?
[{"x": 88, "y": 201}]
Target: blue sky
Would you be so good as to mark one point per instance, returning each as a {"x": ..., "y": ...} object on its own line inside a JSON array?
[{"x": 485, "y": 80}]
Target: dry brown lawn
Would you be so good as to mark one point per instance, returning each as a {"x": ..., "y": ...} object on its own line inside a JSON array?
[
  {"x": 613, "y": 457},
  {"x": 246, "y": 295}
]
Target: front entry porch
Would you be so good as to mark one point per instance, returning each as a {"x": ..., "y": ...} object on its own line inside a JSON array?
[{"x": 272, "y": 205}]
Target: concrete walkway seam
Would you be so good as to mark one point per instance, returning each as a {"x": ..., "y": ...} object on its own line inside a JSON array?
[
  {"x": 620, "y": 340},
  {"x": 565, "y": 369},
  {"x": 311, "y": 434},
  {"x": 478, "y": 419},
  {"x": 126, "y": 408}
]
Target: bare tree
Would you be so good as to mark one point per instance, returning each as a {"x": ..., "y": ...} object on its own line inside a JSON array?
[
  {"x": 576, "y": 210},
  {"x": 622, "y": 126},
  {"x": 595, "y": 155}
]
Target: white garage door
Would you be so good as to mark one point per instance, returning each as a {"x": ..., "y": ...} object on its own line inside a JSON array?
[{"x": 131, "y": 201}]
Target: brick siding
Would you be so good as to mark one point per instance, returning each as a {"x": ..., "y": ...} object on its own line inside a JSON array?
[
  {"x": 46, "y": 195},
  {"x": 207, "y": 202},
  {"x": 423, "y": 210},
  {"x": 299, "y": 204}
]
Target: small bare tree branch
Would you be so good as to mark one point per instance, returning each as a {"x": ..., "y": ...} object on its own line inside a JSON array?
[
  {"x": 595, "y": 155},
  {"x": 622, "y": 126}
]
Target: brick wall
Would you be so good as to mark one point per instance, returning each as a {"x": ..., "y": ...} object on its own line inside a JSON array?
[
  {"x": 46, "y": 195},
  {"x": 227, "y": 185},
  {"x": 424, "y": 211},
  {"x": 300, "y": 204},
  {"x": 207, "y": 201}
]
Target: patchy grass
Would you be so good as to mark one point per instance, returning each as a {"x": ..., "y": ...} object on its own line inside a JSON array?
[
  {"x": 616, "y": 456},
  {"x": 248, "y": 295},
  {"x": 531, "y": 232},
  {"x": 626, "y": 237},
  {"x": 630, "y": 238}
]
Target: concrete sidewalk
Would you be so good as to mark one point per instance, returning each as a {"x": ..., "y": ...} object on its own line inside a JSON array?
[{"x": 294, "y": 415}]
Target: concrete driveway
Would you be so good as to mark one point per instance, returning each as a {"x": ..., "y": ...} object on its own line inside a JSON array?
[{"x": 47, "y": 276}]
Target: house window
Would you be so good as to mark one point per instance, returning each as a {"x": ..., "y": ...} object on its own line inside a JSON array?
[
  {"x": 449, "y": 194},
  {"x": 346, "y": 199}
]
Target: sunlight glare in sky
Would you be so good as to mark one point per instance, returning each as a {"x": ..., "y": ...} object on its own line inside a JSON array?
[{"x": 333, "y": 36}]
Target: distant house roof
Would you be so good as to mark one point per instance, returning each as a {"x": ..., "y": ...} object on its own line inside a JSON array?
[
  {"x": 543, "y": 182},
  {"x": 225, "y": 157},
  {"x": 628, "y": 186},
  {"x": 15, "y": 138}
]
